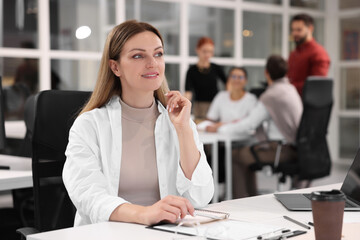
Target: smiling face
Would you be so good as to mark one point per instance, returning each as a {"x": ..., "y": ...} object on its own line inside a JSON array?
[
  {"x": 237, "y": 80},
  {"x": 141, "y": 65}
]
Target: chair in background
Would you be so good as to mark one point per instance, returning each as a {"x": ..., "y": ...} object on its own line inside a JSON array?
[
  {"x": 313, "y": 158},
  {"x": 259, "y": 90},
  {"x": 55, "y": 112}
]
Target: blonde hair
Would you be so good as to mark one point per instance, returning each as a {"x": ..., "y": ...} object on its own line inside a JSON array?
[{"x": 108, "y": 84}]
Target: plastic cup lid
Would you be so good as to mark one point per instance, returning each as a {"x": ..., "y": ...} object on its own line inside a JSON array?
[{"x": 333, "y": 195}]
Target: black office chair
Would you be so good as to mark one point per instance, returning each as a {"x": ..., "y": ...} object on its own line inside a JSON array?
[
  {"x": 313, "y": 158},
  {"x": 55, "y": 113},
  {"x": 259, "y": 90}
]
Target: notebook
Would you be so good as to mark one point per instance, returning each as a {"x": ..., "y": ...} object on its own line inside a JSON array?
[{"x": 350, "y": 187}]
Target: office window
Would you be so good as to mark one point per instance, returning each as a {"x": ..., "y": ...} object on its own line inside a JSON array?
[
  {"x": 20, "y": 79},
  {"x": 162, "y": 15},
  {"x": 318, "y": 33},
  {"x": 350, "y": 39},
  {"x": 75, "y": 74},
  {"x": 349, "y": 4},
  {"x": 19, "y": 23},
  {"x": 80, "y": 25},
  {"x": 256, "y": 77},
  {"x": 310, "y": 4},
  {"x": 172, "y": 73},
  {"x": 261, "y": 34},
  {"x": 350, "y": 89},
  {"x": 215, "y": 23},
  {"x": 278, "y": 2},
  {"x": 349, "y": 137}
]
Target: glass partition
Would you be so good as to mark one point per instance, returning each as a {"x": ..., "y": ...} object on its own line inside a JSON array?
[
  {"x": 80, "y": 25},
  {"x": 19, "y": 23},
  {"x": 261, "y": 34},
  {"x": 216, "y": 23}
]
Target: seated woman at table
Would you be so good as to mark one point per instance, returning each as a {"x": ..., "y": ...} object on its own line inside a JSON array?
[
  {"x": 229, "y": 106},
  {"x": 133, "y": 154},
  {"x": 233, "y": 104},
  {"x": 281, "y": 107}
]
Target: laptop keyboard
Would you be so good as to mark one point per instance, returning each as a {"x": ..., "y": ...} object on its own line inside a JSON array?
[{"x": 347, "y": 204}]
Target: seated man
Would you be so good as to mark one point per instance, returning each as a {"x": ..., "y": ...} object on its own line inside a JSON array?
[{"x": 281, "y": 107}]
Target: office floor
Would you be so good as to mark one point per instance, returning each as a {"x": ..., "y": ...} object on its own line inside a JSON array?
[{"x": 267, "y": 184}]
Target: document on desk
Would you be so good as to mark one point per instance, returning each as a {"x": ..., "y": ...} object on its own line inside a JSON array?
[{"x": 225, "y": 229}]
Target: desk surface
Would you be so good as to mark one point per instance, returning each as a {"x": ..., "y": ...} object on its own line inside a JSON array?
[
  {"x": 15, "y": 129},
  {"x": 10, "y": 179},
  {"x": 265, "y": 209},
  {"x": 15, "y": 162},
  {"x": 19, "y": 175}
]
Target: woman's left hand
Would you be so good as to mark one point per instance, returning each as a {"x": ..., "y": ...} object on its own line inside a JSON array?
[{"x": 179, "y": 108}]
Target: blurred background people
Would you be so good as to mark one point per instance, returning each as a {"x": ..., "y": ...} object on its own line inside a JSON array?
[
  {"x": 233, "y": 104},
  {"x": 229, "y": 106},
  {"x": 309, "y": 58},
  {"x": 201, "y": 84},
  {"x": 280, "y": 107}
]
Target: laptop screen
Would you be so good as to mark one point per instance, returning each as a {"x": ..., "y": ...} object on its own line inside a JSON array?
[{"x": 351, "y": 185}]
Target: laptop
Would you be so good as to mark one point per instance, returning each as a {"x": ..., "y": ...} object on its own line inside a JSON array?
[{"x": 350, "y": 187}]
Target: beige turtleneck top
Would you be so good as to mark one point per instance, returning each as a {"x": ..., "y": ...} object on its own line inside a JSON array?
[{"x": 138, "y": 173}]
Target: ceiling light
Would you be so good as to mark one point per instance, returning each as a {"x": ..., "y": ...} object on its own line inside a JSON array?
[{"x": 83, "y": 32}]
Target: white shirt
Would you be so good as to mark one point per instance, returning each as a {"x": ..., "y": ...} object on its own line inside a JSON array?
[
  {"x": 256, "y": 117},
  {"x": 92, "y": 169},
  {"x": 224, "y": 109}
]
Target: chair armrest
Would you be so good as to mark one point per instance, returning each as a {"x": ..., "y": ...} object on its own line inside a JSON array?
[{"x": 24, "y": 232}]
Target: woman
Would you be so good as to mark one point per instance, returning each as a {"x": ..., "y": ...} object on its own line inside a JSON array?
[
  {"x": 129, "y": 158},
  {"x": 230, "y": 106},
  {"x": 233, "y": 104},
  {"x": 201, "y": 79}
]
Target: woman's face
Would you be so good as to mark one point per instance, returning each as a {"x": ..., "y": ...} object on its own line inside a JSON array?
[
  {"x": 205, "y": 52},
  {"x": 141, "y": 64},
  {"x": 237, "y": 80}
]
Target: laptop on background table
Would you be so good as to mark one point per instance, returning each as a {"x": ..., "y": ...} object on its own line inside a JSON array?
[{"x": 350, "y": 187}]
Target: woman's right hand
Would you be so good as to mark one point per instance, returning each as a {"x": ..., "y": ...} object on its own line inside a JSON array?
[{"x": 167, "y": 209}]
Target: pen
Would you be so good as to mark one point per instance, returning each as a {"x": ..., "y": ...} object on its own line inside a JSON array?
[
  {"x": 275, "y": 235},
  {"x": 297, "y": 222}
]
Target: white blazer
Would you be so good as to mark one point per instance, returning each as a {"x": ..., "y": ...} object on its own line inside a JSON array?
[{"x": 92, "y": 169}]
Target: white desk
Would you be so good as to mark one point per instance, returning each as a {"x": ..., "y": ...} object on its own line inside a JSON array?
[
  {"x": 263, "y": 209},
  {"x": 19, "y": 175},
  {"x": 15, "y": 129},
  {"x": 213, "y": 139},
  {"x": 10, "y": 179},
  {"x": 15, "y": 162}
]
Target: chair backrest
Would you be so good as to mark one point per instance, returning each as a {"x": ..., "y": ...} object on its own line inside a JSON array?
[
  {"x": 313, "y": 154},
  {"x": 55, "y": 113}
]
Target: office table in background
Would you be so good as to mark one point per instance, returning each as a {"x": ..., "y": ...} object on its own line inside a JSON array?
[
  {"x": 227, "y": 139},
  {"x": 251, "y": 209},
  {"x": 18, "y": 176},
  {"x": 15, "y": 129},
  {"x": 10, "y": 179}
]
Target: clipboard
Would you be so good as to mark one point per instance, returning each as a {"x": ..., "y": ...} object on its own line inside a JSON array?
[{"x": 221, "y": 229}]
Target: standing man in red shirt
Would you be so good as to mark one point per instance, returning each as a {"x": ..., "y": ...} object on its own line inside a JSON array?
[{"x": 309, "y": 58}]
